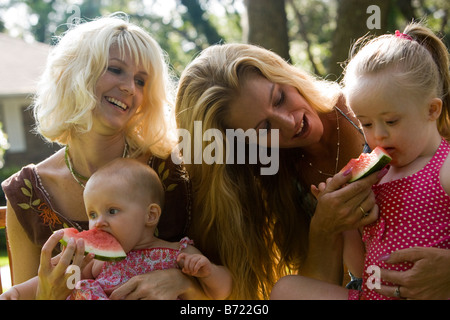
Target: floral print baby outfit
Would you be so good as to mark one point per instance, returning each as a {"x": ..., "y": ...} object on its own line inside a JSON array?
[{"x": 115, "y": 273}]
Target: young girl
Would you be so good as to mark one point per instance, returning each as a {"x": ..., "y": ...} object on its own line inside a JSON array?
[
  {"x": 125, "y": 198},
  {"x": 398, "y": 87}
]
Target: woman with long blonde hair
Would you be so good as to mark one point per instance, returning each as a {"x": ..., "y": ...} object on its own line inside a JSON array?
[{"x": 262, "y": 227}]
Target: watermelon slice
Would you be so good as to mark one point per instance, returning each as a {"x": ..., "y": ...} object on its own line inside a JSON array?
[
  {"x": 368, "y": 163},
  {"x": 101, "y": 243}
]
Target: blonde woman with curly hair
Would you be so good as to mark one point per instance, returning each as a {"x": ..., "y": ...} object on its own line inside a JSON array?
[
  {"x": 103, "y": 95},
  {"x": 262, "y": 227}
]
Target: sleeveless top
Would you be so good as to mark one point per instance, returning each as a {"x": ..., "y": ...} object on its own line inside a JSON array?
[
  {"x": 39, "y": 217},
  {"x": 414, "y": 211},
  {"x": 137, "y": 262}
]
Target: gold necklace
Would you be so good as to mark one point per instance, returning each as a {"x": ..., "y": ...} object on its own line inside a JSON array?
[
  {"x": 337, "y": 150},
  {"x": 76, "y": 175}
]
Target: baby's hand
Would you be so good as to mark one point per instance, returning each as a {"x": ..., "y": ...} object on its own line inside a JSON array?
[{"x": 196, "y": 265}]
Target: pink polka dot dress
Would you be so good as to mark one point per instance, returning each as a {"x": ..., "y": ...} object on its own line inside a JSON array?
[{"x": 414, "y": 211}]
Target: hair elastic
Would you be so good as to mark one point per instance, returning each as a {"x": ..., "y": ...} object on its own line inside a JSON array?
[{"x": 398, "y": 34}]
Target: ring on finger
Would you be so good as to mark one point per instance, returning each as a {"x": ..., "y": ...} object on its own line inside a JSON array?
[{"x": 364, "y": 212}]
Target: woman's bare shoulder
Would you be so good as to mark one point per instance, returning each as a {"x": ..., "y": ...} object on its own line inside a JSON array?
[{"x": 52, "y": 165}]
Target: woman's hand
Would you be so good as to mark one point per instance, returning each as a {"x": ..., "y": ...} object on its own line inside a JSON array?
[
  {"x": 52, "y": 284},
  {"x": 168, "y": 284},
  {"x": 429, "y": 277},
  {"x": 342, "y": 206}
]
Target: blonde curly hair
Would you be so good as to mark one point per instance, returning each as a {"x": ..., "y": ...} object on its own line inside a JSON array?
[{"x": 65, "y": 97}]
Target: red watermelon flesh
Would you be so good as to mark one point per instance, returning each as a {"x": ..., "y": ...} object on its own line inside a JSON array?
[
  {"x": 101, "y": 243},
  {"x": 368, "y": 163}
]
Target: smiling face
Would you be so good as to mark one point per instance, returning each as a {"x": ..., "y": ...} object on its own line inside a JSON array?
[
  {"x": 266, "y": 105},
  {"x": 120, "y": 91}
]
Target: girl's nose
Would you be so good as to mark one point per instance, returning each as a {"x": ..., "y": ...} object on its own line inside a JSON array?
[{"x": 380, "y": 132}]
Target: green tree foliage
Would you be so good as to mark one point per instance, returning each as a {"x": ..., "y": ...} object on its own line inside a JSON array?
[{"x": 319, "y": 32}]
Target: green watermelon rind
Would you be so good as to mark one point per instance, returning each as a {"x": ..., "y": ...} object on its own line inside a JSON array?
[
  {"x": 383, "y": 161},
  {"x": 103, "y": 256}
]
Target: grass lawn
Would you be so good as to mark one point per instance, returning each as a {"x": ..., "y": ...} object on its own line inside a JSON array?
[{"x": 6, "y": 281}]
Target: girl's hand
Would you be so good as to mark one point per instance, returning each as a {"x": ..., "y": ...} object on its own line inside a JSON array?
[{"x": 52, "y": 284}]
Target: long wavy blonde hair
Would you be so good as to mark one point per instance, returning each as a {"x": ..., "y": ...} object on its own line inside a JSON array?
[
  {"x": 65, "y": 98},
  {"x": 255, "y": 225}
]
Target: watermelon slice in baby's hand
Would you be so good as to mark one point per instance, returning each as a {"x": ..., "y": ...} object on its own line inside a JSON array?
[
  {"x": 101, "y": 243},
  {"x": 368, "y": 163}
]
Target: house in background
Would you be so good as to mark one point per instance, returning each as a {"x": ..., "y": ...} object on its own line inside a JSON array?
[{"x": 21, "y": 64}]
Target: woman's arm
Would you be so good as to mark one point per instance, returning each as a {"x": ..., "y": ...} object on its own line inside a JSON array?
[
  {"x": 24, "y": 253},
  {"x": 338, "y": 209},
  {"x": 324, "y": 259},
  {"x": 168, "y": 284},
  {"x": 52, "y": 279}
]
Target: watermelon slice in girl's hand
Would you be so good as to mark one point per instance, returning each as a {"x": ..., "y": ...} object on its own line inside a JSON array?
[
  {"x": 101, "y": 243},
  {"x": 368, "y": 163}
]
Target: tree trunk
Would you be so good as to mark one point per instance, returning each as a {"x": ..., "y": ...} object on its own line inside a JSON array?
[
  {"x": 267, "y": 25},
  {"x": 353, "y": 22},
  {"x": 195, "y": 14}
]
